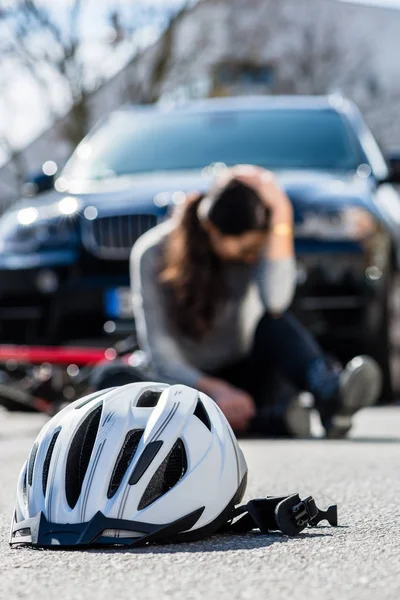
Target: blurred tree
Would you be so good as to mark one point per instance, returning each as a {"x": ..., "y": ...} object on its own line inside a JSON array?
[
  {"x": 323, "y": 61},
  {"x": 310, "y": 55},
  {"x": 16, "y": 172},
  {"x": 54, "y": 47}
]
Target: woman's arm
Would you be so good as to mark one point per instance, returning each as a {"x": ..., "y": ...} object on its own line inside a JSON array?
[
  {"x": 276, "y": 273},
  {"x": 151, "y": 319},
  {"x": 276, "y": 283},
  {"x": 280, "y": 243}
]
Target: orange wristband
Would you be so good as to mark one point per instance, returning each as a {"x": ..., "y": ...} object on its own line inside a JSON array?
[{"x": 282, "y": 229}]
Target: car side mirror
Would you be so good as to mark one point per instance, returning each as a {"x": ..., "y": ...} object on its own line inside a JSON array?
[{"x": 393, "y": 161}]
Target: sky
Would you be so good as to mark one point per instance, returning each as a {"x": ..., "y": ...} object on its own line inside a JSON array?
[
  {"x": 22, "y": 116},
  {"x": 389, "y": 3}
]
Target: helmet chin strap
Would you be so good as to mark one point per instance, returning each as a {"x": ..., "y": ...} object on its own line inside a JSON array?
[{"x": 289, "y": 514}]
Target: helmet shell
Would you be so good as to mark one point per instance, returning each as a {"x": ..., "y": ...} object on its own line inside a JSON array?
[{"x": 133, "y": 462}]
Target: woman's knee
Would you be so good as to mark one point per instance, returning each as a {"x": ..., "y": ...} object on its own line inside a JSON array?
[
  {"x": 287, "y": 329},
  {"x": 273, "y": 327}
]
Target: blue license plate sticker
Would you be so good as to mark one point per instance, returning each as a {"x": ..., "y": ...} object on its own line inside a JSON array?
[{"x": 118, "y": 303}]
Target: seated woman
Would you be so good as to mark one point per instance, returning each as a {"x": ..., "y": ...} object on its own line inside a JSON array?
[{"x": 211, "y": 288}]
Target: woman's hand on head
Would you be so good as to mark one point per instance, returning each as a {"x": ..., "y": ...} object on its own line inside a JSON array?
[
  {"x": 237, "y": 405},
  {"x": 267, "y": 187}
]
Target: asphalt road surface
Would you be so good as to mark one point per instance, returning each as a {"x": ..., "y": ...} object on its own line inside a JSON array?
[{"x": 359, "y": 560}]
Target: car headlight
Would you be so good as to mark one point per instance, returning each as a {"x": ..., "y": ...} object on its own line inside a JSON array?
[
  {"x": 349, "y": 223},
  {"x": 37, "y": 226}
]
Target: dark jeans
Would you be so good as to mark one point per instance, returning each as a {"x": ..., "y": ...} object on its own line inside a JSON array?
[
  {"x": 283, "y": 351},
  {"x": 284, "y": 359}
]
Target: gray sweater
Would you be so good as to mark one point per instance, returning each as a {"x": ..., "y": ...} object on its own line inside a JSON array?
[{"x": 268, "y": 285}]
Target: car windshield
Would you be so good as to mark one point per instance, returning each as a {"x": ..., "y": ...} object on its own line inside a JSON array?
[{"x": 131, "y": 142}]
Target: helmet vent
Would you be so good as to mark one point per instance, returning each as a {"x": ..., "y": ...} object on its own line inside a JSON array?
[
  {"x": 124, "y": 459},
  {"x": 24, "y": 488},
  {"x": 171, "y": 470},
  {"x": 47, "y": 460},
  {"x": 79, "y": 455},
  {"x": 91, "y": 398},
  {"x": 202, "y": 414},
  {"x": 31, "y": 464},
  {"x": 148, "y": 399}
]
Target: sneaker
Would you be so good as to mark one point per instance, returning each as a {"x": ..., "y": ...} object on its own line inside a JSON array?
[
  {"x": 286, "y": 419},
  {"x": 297, "y": 418},
  {"x": 360, "y": 386}
]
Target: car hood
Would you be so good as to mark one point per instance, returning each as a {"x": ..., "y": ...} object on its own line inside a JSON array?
[{"x": 307, "y": 190}]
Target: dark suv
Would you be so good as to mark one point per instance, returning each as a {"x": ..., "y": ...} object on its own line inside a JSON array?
[{"x": 64, "y": 255}]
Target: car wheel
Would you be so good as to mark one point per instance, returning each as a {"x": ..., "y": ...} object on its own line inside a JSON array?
[
  {"x": 380, "y": 350},
  {"x": 379, "y": 343},
  {"x": 375, "y": 340}
]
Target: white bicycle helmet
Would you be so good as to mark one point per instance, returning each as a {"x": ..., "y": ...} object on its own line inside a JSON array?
[
  {"x": 142, "y": 463},
  {"x": 133, "y": 464}
]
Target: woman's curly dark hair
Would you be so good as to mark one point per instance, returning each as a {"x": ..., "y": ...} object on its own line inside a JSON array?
[{"x": 191, "y": 271}]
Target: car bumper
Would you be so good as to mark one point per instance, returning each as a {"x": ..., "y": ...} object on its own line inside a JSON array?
[
  {"x": 43, "y": 302},
  {"x": 340, "y": 292}
]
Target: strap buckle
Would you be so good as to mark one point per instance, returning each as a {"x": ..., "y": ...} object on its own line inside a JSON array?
[
  {"x": 290, "y": 515},
  {"x": 330, "y": 515},
  {"x": 304, "y": 512},
  {"x": 294, "y": 515}
]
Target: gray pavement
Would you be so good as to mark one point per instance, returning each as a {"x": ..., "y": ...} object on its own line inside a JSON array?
[{"x": 360, "y": 560}]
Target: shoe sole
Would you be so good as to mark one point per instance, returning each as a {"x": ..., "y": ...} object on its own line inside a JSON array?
[
  {"x": 298, "y": 419},
  {"x": 361, "y": 388}
]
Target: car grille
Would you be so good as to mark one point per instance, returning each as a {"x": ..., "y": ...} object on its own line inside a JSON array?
[{"x": 112, "y": 237}]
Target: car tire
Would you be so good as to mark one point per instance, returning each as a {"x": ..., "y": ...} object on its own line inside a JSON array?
[
  {"x": 378, "y": 342},
  {"x": 376, "y": 338},
  {"x": 380, "y": 350}
]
